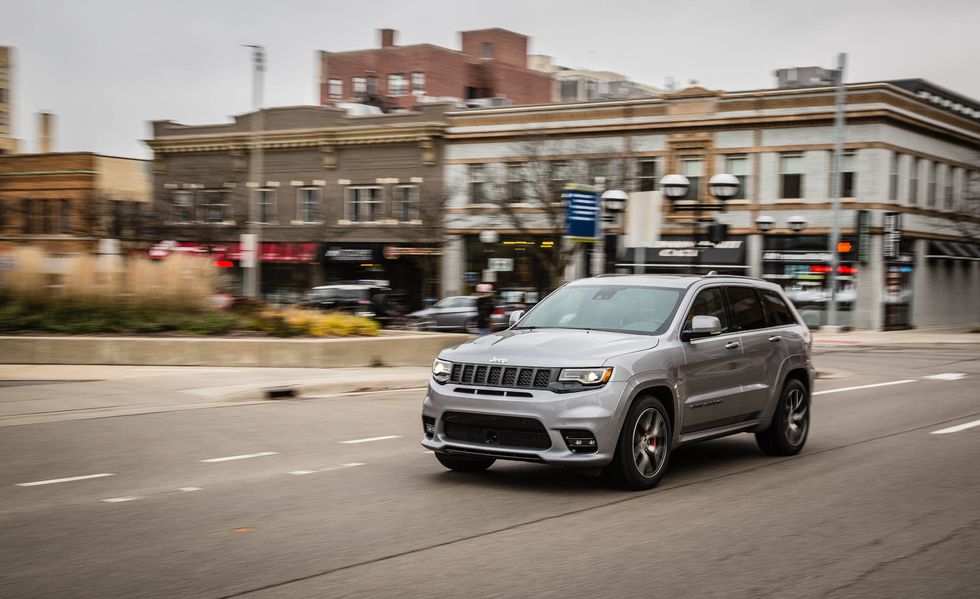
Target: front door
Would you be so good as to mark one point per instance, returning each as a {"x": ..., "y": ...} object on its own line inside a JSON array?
[{"x": 711, "y": 377}]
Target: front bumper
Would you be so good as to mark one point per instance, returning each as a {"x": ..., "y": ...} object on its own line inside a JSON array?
[{"x": 597, "y": 411}]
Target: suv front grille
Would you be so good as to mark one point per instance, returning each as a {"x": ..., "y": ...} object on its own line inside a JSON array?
[
  {"x": 519, "y": 377},
  {"x": 505, "y": 431}
]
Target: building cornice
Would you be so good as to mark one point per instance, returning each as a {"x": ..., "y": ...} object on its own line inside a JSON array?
[{"x": 298, "y": 138}]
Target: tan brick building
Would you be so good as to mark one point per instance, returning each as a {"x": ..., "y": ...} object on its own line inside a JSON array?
[
  {"x": 491, "y": 63},
  {"x": 66, "y": 202},
  {"x": 8, "y": 145}
]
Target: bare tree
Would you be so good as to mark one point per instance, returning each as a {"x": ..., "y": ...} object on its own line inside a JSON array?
[{"x": 968, "y": 224}]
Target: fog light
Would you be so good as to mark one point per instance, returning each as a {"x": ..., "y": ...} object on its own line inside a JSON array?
[
  {"x": 429, "y": 426},
  {"x": 580, "y": 441}
]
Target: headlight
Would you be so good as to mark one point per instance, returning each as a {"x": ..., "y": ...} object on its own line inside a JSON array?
[
  {"x": 441, "y": 370},
  {"x": 585, "y": 376}
]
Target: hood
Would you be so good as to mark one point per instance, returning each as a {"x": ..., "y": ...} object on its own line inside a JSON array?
[{"x": 550, "y": 347}]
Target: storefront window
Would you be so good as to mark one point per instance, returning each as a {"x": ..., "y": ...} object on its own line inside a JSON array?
[
  {"x": 524, "y": 264},
  {"x": 801, "y": 265}
]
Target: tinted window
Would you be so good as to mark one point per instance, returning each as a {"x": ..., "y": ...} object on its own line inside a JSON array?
[
  {"x": 777, "y": 312},
  {"x": 710, "y": 302},
  {"x": 747, "y": 312}
]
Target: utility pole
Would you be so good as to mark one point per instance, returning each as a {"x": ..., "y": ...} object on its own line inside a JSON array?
[
  {"x": 835, "y": 187},
  {"x": 251, "y": 253}
]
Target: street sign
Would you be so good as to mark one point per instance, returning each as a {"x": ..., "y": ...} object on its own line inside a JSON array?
[
  {"x": 489, "y": 276},
  {"x": 582, "y": 213},
  {"x": 500, "y": 264},
  {"x": 892, "y": 235},
  {"x": 864, "y": 235},
  {"x": 471, "y": 276}
]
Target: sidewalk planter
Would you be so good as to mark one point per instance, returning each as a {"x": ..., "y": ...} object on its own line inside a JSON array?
[{"x": 397, "y": 350}]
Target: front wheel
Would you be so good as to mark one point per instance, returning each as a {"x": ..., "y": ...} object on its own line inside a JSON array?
[
  {"x": 470, "y": 326},
  {"x": 464, "y": 463},
  {"x": 790, "y": 425},
  {"x": 643, "y": 449}
]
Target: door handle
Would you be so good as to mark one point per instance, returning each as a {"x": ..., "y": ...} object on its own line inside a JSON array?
[
  {"x": 733, "y": 345},
  {"x": 775, "y": 339}
]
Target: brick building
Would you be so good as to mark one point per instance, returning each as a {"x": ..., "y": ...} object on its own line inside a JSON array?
[
  {"x": 340, "y": 197},
  {"x": 492, "y": 63},
  {"x": 65, "y": 202},
  {"x": 910, "y": 218},
  {"x": 8, "y": 145}
]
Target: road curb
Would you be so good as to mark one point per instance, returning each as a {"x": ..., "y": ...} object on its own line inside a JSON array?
[{"x": 309, "y": 391}]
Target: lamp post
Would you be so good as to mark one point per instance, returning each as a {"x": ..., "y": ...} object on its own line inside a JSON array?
[
  {"x": 722, "y": 186},
  {"x": 251, "y": 253},
  {"x": 487, "y": 237},
  {"x": 612, "y": 202}
]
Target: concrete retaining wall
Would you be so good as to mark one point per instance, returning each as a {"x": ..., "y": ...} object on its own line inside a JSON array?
[{"x": 396, "y": 350}]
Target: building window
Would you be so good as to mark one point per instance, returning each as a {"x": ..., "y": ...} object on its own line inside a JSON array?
[
  {"x": 739, "y": 166},
  {"x": 64, "y": 217},
  {"x": 646, "y": 175},
  {"x": 914, "y": 182},
  {"x": 363, "y": 204},
  {"x": 26, "y": 216},
  {"x": 267, "y": 205},
  {"x": 516, "y": 178},
  {"x": 598, "y": 169},
  {"x": 309, "y": 203},
  {"x": 948, "y": 192},
  {"x": 893, "y": 177},
  {"x": 478, "y": 178},
  {"x": 569, "y": 90},
  {"x": 791, "y": 176},
  {"x": 931, "y": 184},
  {"x": 335, "y": 88},
  {"x": 693, "y": 169},
  {"x": 418, "y": 82},
  {"x": 47, "y": 217},
  {"x": 486, "y": 50},
  {"x": 215, "y": 206},
  {"x": 358, "y": 86},
  {"x": 181, "y": 207},
  {"x": 3, "y": 96},
  {"x": 397, "y": 84},
  {"x": 372, "y": 85},
  {"x": 847, "y": 176},
  {"x": 406, "y": 203},
  {"x": 560, "y": 174}
]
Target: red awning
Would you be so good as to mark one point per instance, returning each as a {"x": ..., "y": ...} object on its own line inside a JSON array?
[{"x": 269, "y": 251}]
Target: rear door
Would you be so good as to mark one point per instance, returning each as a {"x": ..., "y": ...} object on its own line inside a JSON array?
[
  {"x": 711, "y": 376},
  {"x": 762, "y": 350}
]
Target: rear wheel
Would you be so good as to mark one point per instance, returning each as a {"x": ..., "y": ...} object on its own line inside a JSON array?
[
  {"x": 464, "y": 463},
  {"x": 790, "y": 425},
  {"x": 643, "y": 449},
  {"x": 470, "y": 326}
]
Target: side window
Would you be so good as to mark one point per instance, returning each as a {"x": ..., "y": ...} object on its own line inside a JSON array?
[
  {"x": 747, "y": 312},
  {"x": 777, "y": 312},
  {"x": 710, "y": 302}
]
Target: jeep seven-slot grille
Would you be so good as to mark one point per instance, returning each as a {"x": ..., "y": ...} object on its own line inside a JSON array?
[{"x": 519, "y": 377}]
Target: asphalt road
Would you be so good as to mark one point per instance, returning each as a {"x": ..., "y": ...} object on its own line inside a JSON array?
[{"x": 877, "y": 505}]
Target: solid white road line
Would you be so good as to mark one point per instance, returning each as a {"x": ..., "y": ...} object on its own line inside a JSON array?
[
  {"x": 946, "y": 376},
  {"x": 372, "y": 439},
  {"x": 957, "y": 428},
  {"x": 240, "y": 457},
  {"x": 63, "y": 480},
  {"x": 328, "y": 468},
  {"x": 188, "y": 489},
  {"x": 864, "y": 387},
  {"x": 119, "y": 499}
]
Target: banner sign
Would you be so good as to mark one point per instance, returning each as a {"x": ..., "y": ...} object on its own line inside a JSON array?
[
  {"x": 864, "y": 236},
  {"x": 891, "y": 235},
  {"x": 582, "y": 213}
]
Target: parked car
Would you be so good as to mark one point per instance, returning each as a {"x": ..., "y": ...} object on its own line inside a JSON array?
[
  {"x": 454, "y": 313},
  {"x": 511, "y": 300},
  {"x": 613, "y": 373},
  {"x": 364, "y": 300}
]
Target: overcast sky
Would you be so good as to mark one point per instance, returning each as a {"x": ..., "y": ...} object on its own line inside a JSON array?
[{"x": 107, "y": 67}]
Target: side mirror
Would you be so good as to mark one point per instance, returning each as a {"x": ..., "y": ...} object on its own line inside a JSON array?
[
  {"x": 702, "y": 326},
  {"x": 516, "y": 316}
]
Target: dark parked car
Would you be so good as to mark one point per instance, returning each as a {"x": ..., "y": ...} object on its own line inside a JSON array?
[{"x": 363, "y": 300}]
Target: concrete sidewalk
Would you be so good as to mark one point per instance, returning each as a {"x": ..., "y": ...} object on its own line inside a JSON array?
[
  {"x": 922, "y": 337},
  {"x": 31, "y": 394}
]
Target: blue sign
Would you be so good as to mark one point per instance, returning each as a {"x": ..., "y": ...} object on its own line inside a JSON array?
[{"x": 582, "y": 213}]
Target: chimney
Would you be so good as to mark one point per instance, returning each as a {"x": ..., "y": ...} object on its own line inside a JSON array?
[
  {"x": 45, "y": 139},
  {"x": 387, "y": 38}
]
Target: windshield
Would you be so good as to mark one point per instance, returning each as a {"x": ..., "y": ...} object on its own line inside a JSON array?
[{"x": 618, "y": 308}]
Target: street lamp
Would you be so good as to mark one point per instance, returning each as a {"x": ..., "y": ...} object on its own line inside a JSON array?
[
  {"x": 722, "y": 186},
  {"x": 765, "y": 223},
  {"x": 797, "y": 223},
  {"x": 612, "y": 202}
]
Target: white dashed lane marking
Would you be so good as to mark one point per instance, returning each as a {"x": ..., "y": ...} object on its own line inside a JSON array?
[
  {"x": 371, "y": 439},
  {"x": 902, "y": 382},
  {"x": 327, "y": 469},
  {"x": 119, "y": 499},
  {"x": 957, "y": 428},
  {"x": 63, "y": 480},
  {"x": 244, "y": 456},
  {"x": 946, "y": 376}
]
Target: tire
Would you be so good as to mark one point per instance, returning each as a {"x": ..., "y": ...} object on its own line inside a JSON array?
[
  {"x": 790, "y": 424},
  {"x": 470, "y": 326},
  {"x": 418, "y": 324},
  {"x": 464, "y": 463},
  {"x": 643, "y": 448}
]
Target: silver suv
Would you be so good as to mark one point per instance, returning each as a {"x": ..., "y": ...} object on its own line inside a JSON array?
[{"x": 612, "y": 373}]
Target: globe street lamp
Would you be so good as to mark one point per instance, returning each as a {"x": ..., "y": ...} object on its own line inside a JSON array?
[
  {"x": 722, "y": 186},
  {"x": 675, "y": 187},
  {"x": 765, "y": 223}
]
